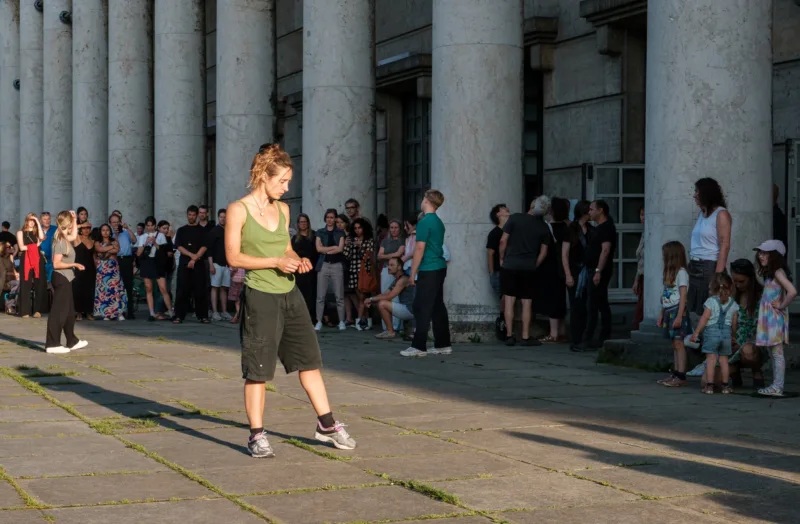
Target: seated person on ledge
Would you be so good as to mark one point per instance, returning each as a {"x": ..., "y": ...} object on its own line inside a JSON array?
[{"x": 397, "y": 300}]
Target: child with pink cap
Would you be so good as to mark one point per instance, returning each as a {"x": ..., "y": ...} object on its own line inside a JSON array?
[{"x": 773, "y": 319}]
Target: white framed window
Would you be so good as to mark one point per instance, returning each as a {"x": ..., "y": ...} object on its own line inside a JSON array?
[{"x": 622, "y": 187}]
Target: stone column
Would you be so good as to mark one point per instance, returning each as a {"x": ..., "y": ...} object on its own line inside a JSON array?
[
  {"x": 245, "y": 91},
  {"x": 57, "y": 76},
  {"x": 130, "y": 108},
  {"x": 9, "y": 112},
  {"x": 31, "y": 112},
  {"x": 476, "y": 142},
  {"x": 709, "y": 95},
  {"x": 180, "y": 102},
  {"x": 338, "y": 105},
  {"x": 90, "y": 108}
]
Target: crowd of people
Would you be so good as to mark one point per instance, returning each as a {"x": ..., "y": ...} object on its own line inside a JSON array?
[{"x": 545, "y": 260}]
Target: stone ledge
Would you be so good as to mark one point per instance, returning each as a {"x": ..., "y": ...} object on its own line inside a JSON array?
[
  {"x": 656, "y": 355},
  {"x": 603, "y": 12}
]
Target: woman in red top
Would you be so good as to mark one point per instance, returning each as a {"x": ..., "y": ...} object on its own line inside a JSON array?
[{"x": 32, "y": 273}]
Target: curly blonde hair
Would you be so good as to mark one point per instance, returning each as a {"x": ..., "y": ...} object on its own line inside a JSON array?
[{"x": 268, "y": 160}]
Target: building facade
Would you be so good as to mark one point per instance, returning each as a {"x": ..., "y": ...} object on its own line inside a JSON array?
[{"x": 151, "y": 105}]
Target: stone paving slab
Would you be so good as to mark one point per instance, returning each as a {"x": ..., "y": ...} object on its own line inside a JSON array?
[
  {"x": 463, "y": 465},
  {"x": 283, "y": 473},
  {"x": 28, "y": 516},
  {"x": 539, "y": 490},
  {"x": 635, "y": 512},
  {"x": 104, "y": 489},
  {"x": 9, "y": 498},
  {"x": 28, "y": 430},
  {"x": 526, "y": 434},
  {"x": 196, "y": 512},
  {"x": 368, "y": 504}
]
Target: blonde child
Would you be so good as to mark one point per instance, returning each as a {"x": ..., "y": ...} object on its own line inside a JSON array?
[
  {"x": 718, "y": 321},
  {"x": 773, "y": 319},
  {"x": 674, "y": 314}
]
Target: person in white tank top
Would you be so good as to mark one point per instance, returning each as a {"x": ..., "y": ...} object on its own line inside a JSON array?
[{"x": 710, "y": 241}]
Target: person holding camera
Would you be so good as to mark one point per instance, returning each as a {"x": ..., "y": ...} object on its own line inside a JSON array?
[{"x": 150, "y": 269}]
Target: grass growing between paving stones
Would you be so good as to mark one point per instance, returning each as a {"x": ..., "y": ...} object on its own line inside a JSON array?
[
  {"x": 101, "y": 369},
  {"x": 30, "y": 500},
  {"x": 196, "y": 409},
  {"x": 36, "y": 388},
  {"x": 118, "y": 424}
]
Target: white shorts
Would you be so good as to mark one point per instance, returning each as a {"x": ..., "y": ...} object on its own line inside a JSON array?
[
  {"x": 221, "y": 276},
  {"x": 401, "y": 311}
]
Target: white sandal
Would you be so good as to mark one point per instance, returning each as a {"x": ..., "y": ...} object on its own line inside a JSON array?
[{"x": 772, "y": 391}]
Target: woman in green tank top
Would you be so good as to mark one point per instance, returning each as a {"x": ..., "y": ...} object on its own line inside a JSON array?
[{"x": 275, "y": 323}]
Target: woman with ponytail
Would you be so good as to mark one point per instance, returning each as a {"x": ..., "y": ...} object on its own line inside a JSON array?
[{"x": 62, "y": 313}]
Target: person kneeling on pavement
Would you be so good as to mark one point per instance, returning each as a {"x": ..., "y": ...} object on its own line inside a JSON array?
[{"x": 396, "y": 302}]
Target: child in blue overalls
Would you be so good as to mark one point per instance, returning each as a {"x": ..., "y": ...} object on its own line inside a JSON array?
[{"x": 720, "y": 313}]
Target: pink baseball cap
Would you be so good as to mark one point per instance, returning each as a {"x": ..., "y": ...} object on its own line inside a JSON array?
[{"x": 772, "y": 245}]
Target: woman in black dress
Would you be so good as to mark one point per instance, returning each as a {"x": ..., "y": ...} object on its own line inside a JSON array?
[
  {"x": 577, "y": 276},
  {"x": 551, "y": 288},
  {"x": 84, "y": 281},
  {"x": 304, "y": 244}
]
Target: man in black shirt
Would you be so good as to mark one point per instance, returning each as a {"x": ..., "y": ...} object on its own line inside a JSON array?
[
  {"x": 523, "y": 246},
  {"x": 600, "y": 263},
  {"x": 218, "y": 266},
  {"x": 499, "y": 216},
  {"x": 192, "y": 243},
  {"x": 8, "y": 237}
]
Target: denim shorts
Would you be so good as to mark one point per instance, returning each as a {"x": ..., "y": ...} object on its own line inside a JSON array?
[
  {"x": 717, "y": 341},
  {"x": 668, "y": 317}
]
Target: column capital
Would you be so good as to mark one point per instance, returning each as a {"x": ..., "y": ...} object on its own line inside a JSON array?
[{"x": 540, "y": 33}]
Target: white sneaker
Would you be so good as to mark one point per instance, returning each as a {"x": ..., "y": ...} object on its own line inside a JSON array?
[
  {"x": 698, "y": 370},
  {"x": 80, "y": 345},
  {"x": 216, "y": 317},
  {"x": 413, "y": 352},
  {"x": 57, "y": 349},
  {"x": 318, "y": 326},
  {"x": 226, "y": 316},
  {"x": 342, "y": 326},
  {"x": 441, "y": 351},
  {"x": 121, "y": 318}
]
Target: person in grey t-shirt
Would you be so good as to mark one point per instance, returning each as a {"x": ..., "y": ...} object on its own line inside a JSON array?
[
  {"x": 392, "y": 246},
  {"x": 396, "y": 303},
  {"x": 62, "y": 312}
]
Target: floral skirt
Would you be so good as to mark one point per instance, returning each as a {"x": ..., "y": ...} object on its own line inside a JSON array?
[{"x": 110, "y": 298}]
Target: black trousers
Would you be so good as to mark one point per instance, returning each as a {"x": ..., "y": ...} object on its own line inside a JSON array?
[
  {"x": 429, "y": 307},
  {"x": 192, "y": 284},
  {"x": 62, "y": 314},
  {"x": 41, "y": 298},
  {"x": 126, "y": 273},
  {"x": 307, "y": 284},
  {"x": 598, "y": 304},
  {"x": 577, "y": 314}
]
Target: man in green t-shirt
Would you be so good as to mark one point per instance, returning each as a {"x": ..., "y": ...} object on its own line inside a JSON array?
[{"x": 431, "y": 268}]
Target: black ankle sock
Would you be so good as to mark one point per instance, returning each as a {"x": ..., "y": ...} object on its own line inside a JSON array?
[
  {"x": 326, "y": 420},
  {"x": 255, "y": 431},
  {"x": 680, "y": 375}
]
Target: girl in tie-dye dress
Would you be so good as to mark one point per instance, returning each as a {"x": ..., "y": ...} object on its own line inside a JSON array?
[
  {"x": 110, "y": 298},
  {"x": 773, "y": 319}
]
